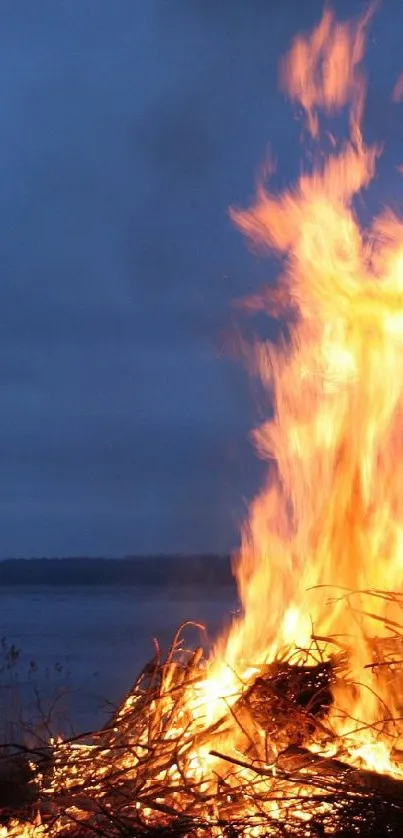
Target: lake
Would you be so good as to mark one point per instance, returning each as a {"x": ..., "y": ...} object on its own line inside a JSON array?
[{"x": 81, "y": 648}]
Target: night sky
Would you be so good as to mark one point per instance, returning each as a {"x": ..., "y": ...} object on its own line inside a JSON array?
[{"x": 128, "y": 128}]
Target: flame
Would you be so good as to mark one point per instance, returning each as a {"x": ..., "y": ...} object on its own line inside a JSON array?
[
  {"x": 397, "y": 95},
  {"x": 322, "y": 549},
  {"x": 329, "y": 521}
]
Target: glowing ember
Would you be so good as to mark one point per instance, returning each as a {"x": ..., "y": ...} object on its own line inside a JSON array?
[{"x": 314, "y": 660}]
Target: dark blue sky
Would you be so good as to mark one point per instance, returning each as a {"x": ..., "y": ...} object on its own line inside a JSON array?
[{"x": 128, "y": 127}]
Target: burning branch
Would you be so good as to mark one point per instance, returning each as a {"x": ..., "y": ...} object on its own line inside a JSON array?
[{"x": 147, "y": 769}]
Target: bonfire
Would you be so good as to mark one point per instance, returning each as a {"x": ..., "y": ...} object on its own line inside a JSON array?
[{"x": 293, "y": 724}]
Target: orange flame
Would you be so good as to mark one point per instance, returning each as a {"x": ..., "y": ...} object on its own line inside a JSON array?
[
  {"x": 397, "y": 95},
  {"x": 322, "y": 71},
  {"x": 331, "y": 513}
]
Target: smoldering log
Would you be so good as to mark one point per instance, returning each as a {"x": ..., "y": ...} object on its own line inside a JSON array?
[
  {"x": 299, "y": 762},
  {"x": 302, "y": 767}
]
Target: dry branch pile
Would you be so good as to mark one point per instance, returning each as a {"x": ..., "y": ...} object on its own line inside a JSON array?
[{"x": 144, "y": 774}]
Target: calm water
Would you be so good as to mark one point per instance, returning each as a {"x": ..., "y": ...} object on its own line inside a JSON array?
[{"x": 88, "y": 645}]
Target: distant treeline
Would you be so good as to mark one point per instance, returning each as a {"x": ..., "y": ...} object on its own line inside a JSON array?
[{"x": 132, "y": 570}]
